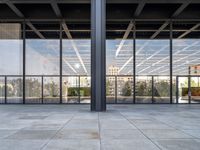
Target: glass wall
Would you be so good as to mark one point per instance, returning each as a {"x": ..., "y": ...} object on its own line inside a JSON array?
[
  {"x": 33, "y": 89},
  {"x": 47, "y": 44},
  {"x": 119, "y": 64},
  {"x": 71, "y": 89},
  {"x": 42, "y": 61},
  {"x": 186, "y": 61},
  {"x": 76, "y": 65},
  {"x": 14, "y": 90},
  {"x": 152, "y": 63},
  {"x": 143, "y": 89},
  {"x": 11, "y": 61},
  {"x": 51, "y": 90}
]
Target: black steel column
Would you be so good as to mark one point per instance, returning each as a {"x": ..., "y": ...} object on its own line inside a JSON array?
[
  {"x": 98, "y": 64},
  {"x": 152, "y": 92},
  {"x": 5, "y": 89},
  {"x": 134, "y": 62},
  {"x": 177, "y": 90},
  {"x": 60, "y": 62},
  {"x": 171, "y": 65},
  {"x": 42, "y": 86},
  {"x": 24, "y": 60},
  {"x": 115, "y": 89},
  {"x": 189, "y": 85}
]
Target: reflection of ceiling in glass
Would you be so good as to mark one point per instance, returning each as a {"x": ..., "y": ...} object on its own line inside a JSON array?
[{"x": 152, "y": 56}]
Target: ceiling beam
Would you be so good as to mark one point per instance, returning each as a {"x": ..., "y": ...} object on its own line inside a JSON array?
[
  {"x": 189, "y": 31},
  {"x": 108, "y": 1},
  {"x": 14, "y": 8},
  {"x": 56, "y": 9},
  {"x": 165, "y": 24},
  {"x": 139, "y": 8},
  {"x": 162, "y": 27},
  {"x": 35, "y": 30},
  {"x": 180, "y": 10},
  {"x": 20, "y": 14}
]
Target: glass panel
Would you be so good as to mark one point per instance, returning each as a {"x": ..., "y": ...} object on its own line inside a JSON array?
[
  {"x": 125, "y": 89},
  {"x": 33, "y": 89},
  {"x": 70, "y": 89},
  {"x": 186, "y": 58},
  {"x": 110, "y": 89},
  {"x": 119, "y": 62},
  {"x": 14, "y": 90},
  {"x": 51, "y": 90},
  {"x": 153, "y": 58},
  {"x": 195, "y": 89},
  {"x": 143, "y": 89},
  {"x": 183, "y": 90},
  {"x": 2, "y": 90},
  {"x": 11, "y": 61},
  {"x": 76, "y": 62},
  {"x": 85, "y": 90},
  {"x": 42, "y": 57},
  {"x": 161, "y": 89},
  {"x": 11, "y": 48}
]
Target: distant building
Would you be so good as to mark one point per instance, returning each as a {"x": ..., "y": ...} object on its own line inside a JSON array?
[
  {"x": 112, "y": 70},
  {"x": 194, "y": 70}
]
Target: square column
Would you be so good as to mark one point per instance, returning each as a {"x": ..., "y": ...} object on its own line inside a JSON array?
[{"x": 98, "y": 61}]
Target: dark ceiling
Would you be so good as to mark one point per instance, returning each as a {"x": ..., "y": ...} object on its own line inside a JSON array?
[{"x": 152, "y": 17}]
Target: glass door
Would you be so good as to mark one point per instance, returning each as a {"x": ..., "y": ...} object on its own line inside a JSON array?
[
  {"x": 195, "y": 89},
  {"x": 182, "y": 89}
]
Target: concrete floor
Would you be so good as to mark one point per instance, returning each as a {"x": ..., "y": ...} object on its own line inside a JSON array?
[{"x": 122, "y": 127}]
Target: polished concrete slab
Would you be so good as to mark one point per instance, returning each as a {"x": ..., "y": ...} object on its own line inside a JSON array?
[{"x": 122, "y": 127}]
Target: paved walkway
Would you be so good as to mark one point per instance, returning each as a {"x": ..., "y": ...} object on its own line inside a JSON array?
[{"x": 122, "y": 127}]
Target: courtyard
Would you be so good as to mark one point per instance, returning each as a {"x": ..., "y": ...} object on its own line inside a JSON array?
[{"x": 121, "y": 127}]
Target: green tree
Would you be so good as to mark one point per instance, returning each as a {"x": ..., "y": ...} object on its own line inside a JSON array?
[{"x": 126, "y": 90}]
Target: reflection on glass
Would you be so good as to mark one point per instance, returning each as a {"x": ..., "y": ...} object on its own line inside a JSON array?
[
  {"x": 14, "y": 90},
  {"x": 152, "y": 59},
  {"x": 85, "y": 89},
  {"x": 125, "y": 89},
  {"x": 161, "y": 89},
  {"x": 195, "y": 89},
  {"x": 183, "y": 90},
  {"x": 33, "y": 90},
  {"x": 119, "y": 63},
  {"x": 11, "y": 48},
  {"x": 2, "y": 90},
  {"x": 51, "y": 90},
  {"x": 143, "y": 89},
  {"x": 186, "y": 62},
  {"x": 76, "y": 64},
  {"x": 110, "y": 89},
  {"x": 70, "y": 89},
  {"x": 42, "y": 57}
]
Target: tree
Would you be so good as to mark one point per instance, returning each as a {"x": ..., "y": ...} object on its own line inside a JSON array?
[{"x": 126, "y": 90}]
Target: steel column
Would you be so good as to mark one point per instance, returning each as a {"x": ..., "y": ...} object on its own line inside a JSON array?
[
  {"x": 24, "y": 61},
  {"x": 5, "y": 88},
  {"x": 60, "y": 62},
  {"x": 134, "y": 60},
  {"x": 152, "y": 86},
  {"x": 171, "y": 65},
  {"x": 98, "y": 64}
]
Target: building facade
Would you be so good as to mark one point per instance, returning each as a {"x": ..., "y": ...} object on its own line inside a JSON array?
[{"x": 99, "y": 52}]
